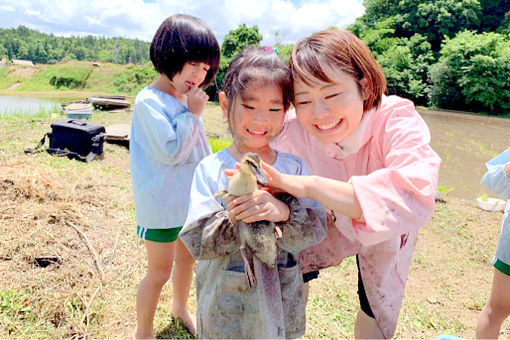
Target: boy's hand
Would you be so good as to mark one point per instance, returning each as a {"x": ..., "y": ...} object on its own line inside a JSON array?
[
  {"x": 197, "y": 99},
  {"x": 258, "y": 206}
]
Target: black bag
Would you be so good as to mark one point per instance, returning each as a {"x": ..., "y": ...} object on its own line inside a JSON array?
[{"x": 76, "y": 139}]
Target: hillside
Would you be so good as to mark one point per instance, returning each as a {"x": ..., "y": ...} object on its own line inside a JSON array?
[{"x": 75, "y": 76}]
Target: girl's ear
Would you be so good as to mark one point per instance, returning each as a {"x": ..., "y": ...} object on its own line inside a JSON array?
[
  {"x": 364, "y": 90},
  {"x": 223, "y": 104}
]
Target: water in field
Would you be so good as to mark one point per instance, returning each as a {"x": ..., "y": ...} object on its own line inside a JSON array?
[
  {"x": 25, "y": 105},
  {"x": 465, "y": 142}
]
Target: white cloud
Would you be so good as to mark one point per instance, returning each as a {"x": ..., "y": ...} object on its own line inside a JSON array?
[{"x": 140, "y": 19}]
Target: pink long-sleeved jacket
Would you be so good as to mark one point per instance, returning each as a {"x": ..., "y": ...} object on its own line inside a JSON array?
[{"x": 394, "y": 172}]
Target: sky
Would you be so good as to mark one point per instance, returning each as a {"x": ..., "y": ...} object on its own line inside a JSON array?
[{"x": 292, "y": 19}]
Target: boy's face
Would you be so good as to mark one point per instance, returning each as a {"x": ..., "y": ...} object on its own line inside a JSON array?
[
  {"x": 257, "y": 118},
  {"x": 329, "y": 111},
  {"x": 192, "y": 73}
]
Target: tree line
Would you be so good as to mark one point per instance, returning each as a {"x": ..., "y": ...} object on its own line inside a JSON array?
[
  {"x": 28, "y": 44},
  {"x": 451, "y": 54}
]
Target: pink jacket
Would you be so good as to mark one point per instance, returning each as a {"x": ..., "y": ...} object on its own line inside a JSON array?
[{"x": 394, "y": 172}]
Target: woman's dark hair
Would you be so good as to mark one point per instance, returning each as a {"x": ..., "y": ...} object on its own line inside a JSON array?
[
  {"x": 183, "y": 38},
  {"x": 256, "y": 65}
]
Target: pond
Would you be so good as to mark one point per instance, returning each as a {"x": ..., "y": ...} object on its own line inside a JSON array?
[
  {"x": 465, "y": 142},
  {"x": 26, "y": 105}
]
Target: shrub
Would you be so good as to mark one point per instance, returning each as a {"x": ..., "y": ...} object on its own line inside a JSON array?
[{"x": 134, "y": 78}]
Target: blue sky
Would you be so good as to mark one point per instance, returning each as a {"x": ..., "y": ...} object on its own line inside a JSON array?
[{"x": 293, "y": 19}]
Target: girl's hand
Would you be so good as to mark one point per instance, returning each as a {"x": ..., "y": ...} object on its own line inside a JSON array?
[
  {"x": 276, "y": 181},
  {"x": 258, "y": 206},
  {"x": 197, "y": 99},
  {"x": 507, "y": 170}
]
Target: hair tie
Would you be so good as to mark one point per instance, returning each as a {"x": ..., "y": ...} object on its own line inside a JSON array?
[{"x": 271, "y": 48}]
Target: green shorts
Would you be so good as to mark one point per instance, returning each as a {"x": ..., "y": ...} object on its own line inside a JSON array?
[
  {"x": 158, "y": 235},
  {"x": 501, "y": 266}
]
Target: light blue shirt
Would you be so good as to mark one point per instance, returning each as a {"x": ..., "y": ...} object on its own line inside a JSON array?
[
  {"x": 167, "y": 142},
  {"x": 497, "y": 181}
]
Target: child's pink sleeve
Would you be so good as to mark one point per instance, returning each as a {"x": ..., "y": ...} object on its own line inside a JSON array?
[{"x": 399, "y": 197}]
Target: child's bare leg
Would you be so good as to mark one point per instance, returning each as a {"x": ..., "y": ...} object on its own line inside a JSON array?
[
  {"x": 366, "y": 327},
  {"x": 160, "y": 257},
  {"x": 497, "y": 308},
  {"x": 181, "y": 282}
]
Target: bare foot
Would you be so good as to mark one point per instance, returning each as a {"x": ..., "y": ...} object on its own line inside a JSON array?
[
  {"x": 138, "y": 335},
  {"x": 186, "y": 320}
]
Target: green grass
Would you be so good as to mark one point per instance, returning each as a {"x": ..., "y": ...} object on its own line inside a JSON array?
[
  {"x": 102, "y": 77},
  {"x": 218, "y": 144},
  {"x": 5, "y": 80},
  {"x": 58, "y": 77}
]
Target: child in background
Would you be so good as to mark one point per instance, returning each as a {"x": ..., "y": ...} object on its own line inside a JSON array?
[
  {"x": 497, "y": 308},
  {"x": 254, "y": 101},
  {"x": 167, "y": 142},
  {"x": 372, "y": 166}
]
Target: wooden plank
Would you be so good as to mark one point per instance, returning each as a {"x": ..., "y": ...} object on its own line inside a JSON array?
[{"x": 118, "y": 132}]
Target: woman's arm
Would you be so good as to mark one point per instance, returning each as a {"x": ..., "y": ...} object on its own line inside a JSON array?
[{"x": 332, "y": 194}]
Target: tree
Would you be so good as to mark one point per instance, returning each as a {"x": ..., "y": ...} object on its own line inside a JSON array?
[
  {"x": 237, "y": 39},
  {"x": 473, "y": 73},
  {"x": 233, "y": 42},
  {"x": 438, "y": 19}
]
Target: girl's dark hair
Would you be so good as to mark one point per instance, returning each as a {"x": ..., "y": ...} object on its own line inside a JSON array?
[
  {"x": 345, "y": 51},
  {"x": 183, "y": 38},
  {"x": 256, "y": 65}
]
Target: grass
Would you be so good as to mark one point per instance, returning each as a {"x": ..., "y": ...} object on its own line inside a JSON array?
[
  {"x": 73, "y": 77},
  {"x": 63, "y": 76},
  {"x": 42, "y": 196}
]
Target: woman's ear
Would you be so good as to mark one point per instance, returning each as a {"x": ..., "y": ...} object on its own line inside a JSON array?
[
  {"x": 223, "y": 104},
  {"x": 364, "y": 89}
]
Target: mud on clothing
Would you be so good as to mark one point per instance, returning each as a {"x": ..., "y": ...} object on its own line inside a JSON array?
[{"x": 227, "y": 306}]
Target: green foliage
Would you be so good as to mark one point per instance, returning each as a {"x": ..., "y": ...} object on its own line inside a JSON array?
[
  {"x": 233, "y": 42},
  {"x": 473, "y": 73},
  {"x": 67, "y": 75},
  {"x": 135, "y": 78},
  {"x": 284, "y": 51},
  {"x": 237, "y": 39},
  {"x": 24, "y": 43},
  {"x": 381, "y": 37},
  {"x": 407, "y": 36},
  {"x": 440, "y": 18}
]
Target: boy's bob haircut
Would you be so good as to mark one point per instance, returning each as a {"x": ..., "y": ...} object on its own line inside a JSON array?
[
  {"x": 341, "y": 49},
  {"x": 183, "y": 38}
]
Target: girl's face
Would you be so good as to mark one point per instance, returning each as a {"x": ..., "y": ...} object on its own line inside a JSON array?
[
  {"x": 257, "y": 118},
  {"x": 329, "y": 111},
  {"x": 192, "y": 73}
]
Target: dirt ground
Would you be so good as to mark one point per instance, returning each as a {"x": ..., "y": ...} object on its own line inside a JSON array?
[{"x": 79, "y": 219}]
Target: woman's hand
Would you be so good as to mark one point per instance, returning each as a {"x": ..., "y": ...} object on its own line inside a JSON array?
[
  {"x": 257, "y": 206},
  {"x": 507, "y": 170}
]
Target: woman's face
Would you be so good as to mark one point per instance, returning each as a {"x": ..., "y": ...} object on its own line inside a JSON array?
[{"x": 329, "y": 111}]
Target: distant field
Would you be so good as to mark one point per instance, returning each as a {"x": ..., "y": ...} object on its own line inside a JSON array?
[{"x": 91, "y": 79}]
